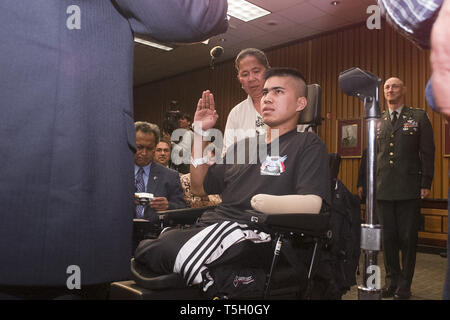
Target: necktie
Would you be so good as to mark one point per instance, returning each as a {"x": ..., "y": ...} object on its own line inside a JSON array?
[
  {"x": 140, "y": 187},
  {"x": 394, "y": 118}
]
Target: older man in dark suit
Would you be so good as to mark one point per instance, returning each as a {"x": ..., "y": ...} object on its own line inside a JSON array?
[
  {"x": 152, "y": 177},
  {"x": 67, "y": 134},
  {"x": 405, "y": 167}
]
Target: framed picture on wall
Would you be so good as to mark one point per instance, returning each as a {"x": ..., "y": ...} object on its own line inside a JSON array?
[
  {"x": 446, "y": 139},
  {"x": 349, "y": 138}
]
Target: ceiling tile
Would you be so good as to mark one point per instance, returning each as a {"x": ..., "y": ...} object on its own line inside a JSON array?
[
  {"x": 296, "y": 32},
  {"x": 272, "y": 22},
  {"x": 274, "y": 5},
  {"x": 302, "y": 13},
  {"x": 350, "y": 10},
  {"x": 344, "y": 5},
  {"x": 245, "y": 31},
  {"x": 326, "y": 23},
  {"x": 226, "y": 39}
]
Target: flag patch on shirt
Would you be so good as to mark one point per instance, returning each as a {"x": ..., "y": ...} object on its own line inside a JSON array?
[{"x": 273, "y": 166}]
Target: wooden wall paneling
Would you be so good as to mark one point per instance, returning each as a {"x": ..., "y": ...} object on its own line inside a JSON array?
[
  {"x": 414, "y": 76},
  {"x": 437, "y": 187},
  {"x": 399, "y": 53},
  {"x": 320, "y": 67},
  {"x": 308, "y": 61},
  {"x": 413, "y": 80},
  {"x": 445, "y": 224},
  {"x": 326, "y": 68},
  {"x": 387, "y": 61},
  {"x": 445, "y": 165},
  {"x": 393, "y": 63}
]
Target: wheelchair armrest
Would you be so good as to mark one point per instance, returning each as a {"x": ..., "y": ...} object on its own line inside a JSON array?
[
  {"x": 182, "y": 216},
  {"x": 144, "y": 229},
  {"x": 313, "y": 224}
]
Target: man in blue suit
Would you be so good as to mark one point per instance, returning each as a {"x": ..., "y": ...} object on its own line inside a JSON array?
[
  {"x": 162, "y": 182},
  {"x": 67, "y": 136}
]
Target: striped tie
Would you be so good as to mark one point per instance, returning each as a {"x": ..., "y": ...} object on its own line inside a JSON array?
[{"x": 140, "y": 187}]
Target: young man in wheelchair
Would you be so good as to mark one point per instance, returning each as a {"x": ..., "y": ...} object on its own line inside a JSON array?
[{"x": 286, "y": 173}]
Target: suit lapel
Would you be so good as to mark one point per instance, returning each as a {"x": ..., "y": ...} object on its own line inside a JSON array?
[{"x": 153, "y": 178}]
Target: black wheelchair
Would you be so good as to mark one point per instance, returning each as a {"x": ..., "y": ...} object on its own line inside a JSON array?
[{"x": 299, "y": 266}]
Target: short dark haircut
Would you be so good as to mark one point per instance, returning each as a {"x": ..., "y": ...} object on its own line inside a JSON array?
[
  {"x": 285, "y": 72},
  {"x": 147, "y": 128},
  {"x": 166, "y": 142},
  {"x": 258, "y": 54},
  {"x": 186, "y": 116}
]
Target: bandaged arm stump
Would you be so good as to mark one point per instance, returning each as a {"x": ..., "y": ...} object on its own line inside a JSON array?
[{"x": 294, "y": 203}]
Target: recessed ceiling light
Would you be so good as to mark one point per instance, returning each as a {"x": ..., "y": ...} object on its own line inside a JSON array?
[
  {"x": 152, "y": 44},
  {"x": 334, "y": 3},
  {"x": 245, "y": 11}
]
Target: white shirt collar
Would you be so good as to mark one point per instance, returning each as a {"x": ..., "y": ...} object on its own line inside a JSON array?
[{"x": 399, "y": 110}]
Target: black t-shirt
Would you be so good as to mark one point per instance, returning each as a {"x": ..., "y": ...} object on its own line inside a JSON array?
[{"x": 300, "y": 167}]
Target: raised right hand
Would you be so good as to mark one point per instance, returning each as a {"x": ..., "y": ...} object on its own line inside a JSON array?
[{"x": 206, "y": 113}]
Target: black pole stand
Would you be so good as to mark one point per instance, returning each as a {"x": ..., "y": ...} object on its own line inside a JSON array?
[{"x": 364, "y": 85}]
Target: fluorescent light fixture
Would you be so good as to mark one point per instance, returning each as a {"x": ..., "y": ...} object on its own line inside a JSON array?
[
  {"x": 245, "y": 11},
  {"x": 152, "y": 44}
]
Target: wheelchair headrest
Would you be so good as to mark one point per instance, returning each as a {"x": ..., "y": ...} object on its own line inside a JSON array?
[{"x": 312, "y": 113}]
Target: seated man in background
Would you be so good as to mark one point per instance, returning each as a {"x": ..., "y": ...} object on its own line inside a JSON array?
[
  {"x": 295, "y": 178},
  {"x": 152, "y": 177},
  {"x": 162, "y": 153}
]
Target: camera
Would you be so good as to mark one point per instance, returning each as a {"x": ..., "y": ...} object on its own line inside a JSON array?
[{"x": 143, "y": 198}]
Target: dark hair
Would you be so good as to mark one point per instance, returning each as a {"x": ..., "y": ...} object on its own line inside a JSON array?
[
  {"x": 285, "y": 72},
  {"x": 186, "y": 116},
  {"x": 166, "y": 142},
  {"x": 147, "y": 127},
  {"x": 258, "y": 54}
]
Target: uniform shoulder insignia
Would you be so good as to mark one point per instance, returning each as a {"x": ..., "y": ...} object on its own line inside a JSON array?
[{"x": 417, "y": 110}]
